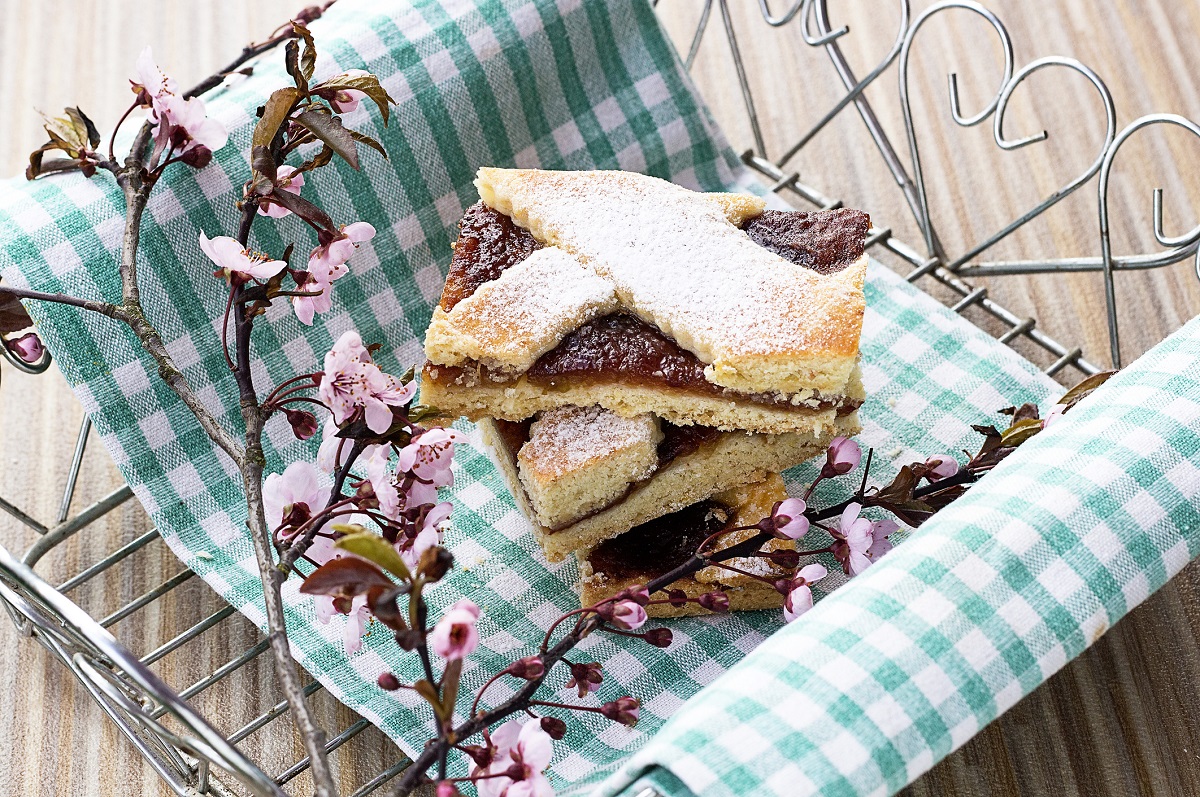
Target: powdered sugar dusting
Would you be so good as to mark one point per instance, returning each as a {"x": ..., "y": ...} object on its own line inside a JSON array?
[
  {"x": 511, "y": 321},
  {"x": 677, "y": 261},
  {"x": 567, "y": 438}
]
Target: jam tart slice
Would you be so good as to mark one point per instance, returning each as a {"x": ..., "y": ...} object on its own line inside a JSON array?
[
  {"x": 586, "y": 475},
  {"x": 628, "y": 292}
]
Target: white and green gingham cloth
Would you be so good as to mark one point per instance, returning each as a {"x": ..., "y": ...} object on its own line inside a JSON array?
[{"x": 556, "y": 84}]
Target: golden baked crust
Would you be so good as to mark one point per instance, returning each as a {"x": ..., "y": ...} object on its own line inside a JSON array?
[
  {"x": 677, "y": 260},
  {"x": 579, "y": 460},
  {"x": 509, "y": 322},
  {"x": 730, "y": 460},
  {"x": 751, "y": 503},
  {"x": 518, "y": 399}
]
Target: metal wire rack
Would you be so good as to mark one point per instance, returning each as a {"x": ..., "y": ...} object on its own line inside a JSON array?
[{"x": 185, "y": 748}]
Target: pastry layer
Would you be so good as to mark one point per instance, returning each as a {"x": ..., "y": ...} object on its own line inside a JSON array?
[
  {"x": 728, "y": 460},
  {"x": 579, "y": 460},
  {"x": 650, "y": 550},
  {"x": 474, "y": 394},
  {"x": 679, "y": 260}
]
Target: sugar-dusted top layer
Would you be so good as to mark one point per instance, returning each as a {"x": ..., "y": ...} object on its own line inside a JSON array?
[
  {"x": 678, "y": 259},
  {"x": 566, "y": 439},
  {"x": 511, "y": 321}
]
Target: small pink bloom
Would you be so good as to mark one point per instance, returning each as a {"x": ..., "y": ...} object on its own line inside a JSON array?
[
  {"x": 429, "y": 535},
  {"x": 356, "y": 620},
  {"x": 446, "y": 788},
  {"x": 28, "y": 348},
  {"x": 286, "y": 179},
  {"x": 455, "y": 636},
  {"x": 327, "y": 262},
  {"x": 300, "y": 485},
  {"x": 800, "y": 598},
  {"x": 628, "y": 615},
  {"x": 789, "y": 520},
  {"x": 428, "y": 456},
  {"x": 940, "y": 466},
  {"x": 852, "y": 539},
  {"x": 351, "y": 380},
  {"x": 880, "y": 544},
  {"x": 346, "y": 100},
  {"x": 232, "y": 258},
  {"x": 522, "y": 760},
  {"x": 1054, "y": 414},
  {"x": 842, "y": 457},
  {"x": 151, "y": 85}
]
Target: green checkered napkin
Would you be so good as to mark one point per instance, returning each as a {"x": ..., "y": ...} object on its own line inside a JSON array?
[
  {"x": 567, "y": 84},
  {"x": 984, "y": 603}
]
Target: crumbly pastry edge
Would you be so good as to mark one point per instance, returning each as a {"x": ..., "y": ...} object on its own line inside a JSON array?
[{"x": 734, "y": 459}]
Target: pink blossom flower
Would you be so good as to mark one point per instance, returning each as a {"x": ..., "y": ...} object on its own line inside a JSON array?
[
  {"x": 232, "y": 258},
  {"x": 1054, "y": 414},
  {"x": 151, "y": 85},
  {"x": 455, "y": 636},
  {"x": 789, "y": 522},
  {"x": 327, "y": 262},
  {"x": 346, "y": 100},
  {"x": 318, "y": 297},
  {"x": 352, "y": 380},
  {"x": 193, "y": 128},
  {"x": 522, "y": 753},
  {"x": 627, "y": 615},
  {"x": 428, "y": 456},
  {"x": 800, "y": 599},
  {"x": 383, "y": 481},
  {"x": 842, "y": 457},
  {"x": 852, "y": 539},
  {"x": 28, "y": 348},
  {"x": 940, "y": 466},
  {"x": 880, "y": 544},
  {"x": 298, "y": 491},
  {"x": 356, "y": 620},
  {"x": 286, "y": 179}
]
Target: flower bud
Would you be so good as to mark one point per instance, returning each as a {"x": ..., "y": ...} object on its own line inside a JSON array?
[
  {"x": 940, "y": 466},
  {"x": 435, "y": 562},
  {"x": 677, "y": 597},
  {"x": 304, "y": 424},
  {"x": 624, "y": 710},
  {"x": 715, "y": 602},
  {"x": 529, "y": 668},
  {"x": 637, "y": 593},
  {"x": 28, "y": 348},
  {"x": 554, "y": 727},
  {"x": 389, "y": 682},
  {"x": 842, "y": 457},
  {"x": 624, "y": 614},
  {"x": 447, "y": 788},
  {"x": 659, "y": 637},
  {"x": 585, "y": 678}
]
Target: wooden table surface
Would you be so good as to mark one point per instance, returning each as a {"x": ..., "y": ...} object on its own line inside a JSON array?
[{"x": 1123, "y": 719}]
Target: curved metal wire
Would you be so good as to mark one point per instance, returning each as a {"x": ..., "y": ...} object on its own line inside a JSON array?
[
  {"x": 924, "y": 219},
  {"x": 109, "y": 670},
  {"x": 820, "y": 11},
  {"x": 1189, "y": 240},
  {"x": 1110, "y": 114}
]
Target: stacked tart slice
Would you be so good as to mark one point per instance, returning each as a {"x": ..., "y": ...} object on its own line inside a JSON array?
[{"x": 646, "y": 359}]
